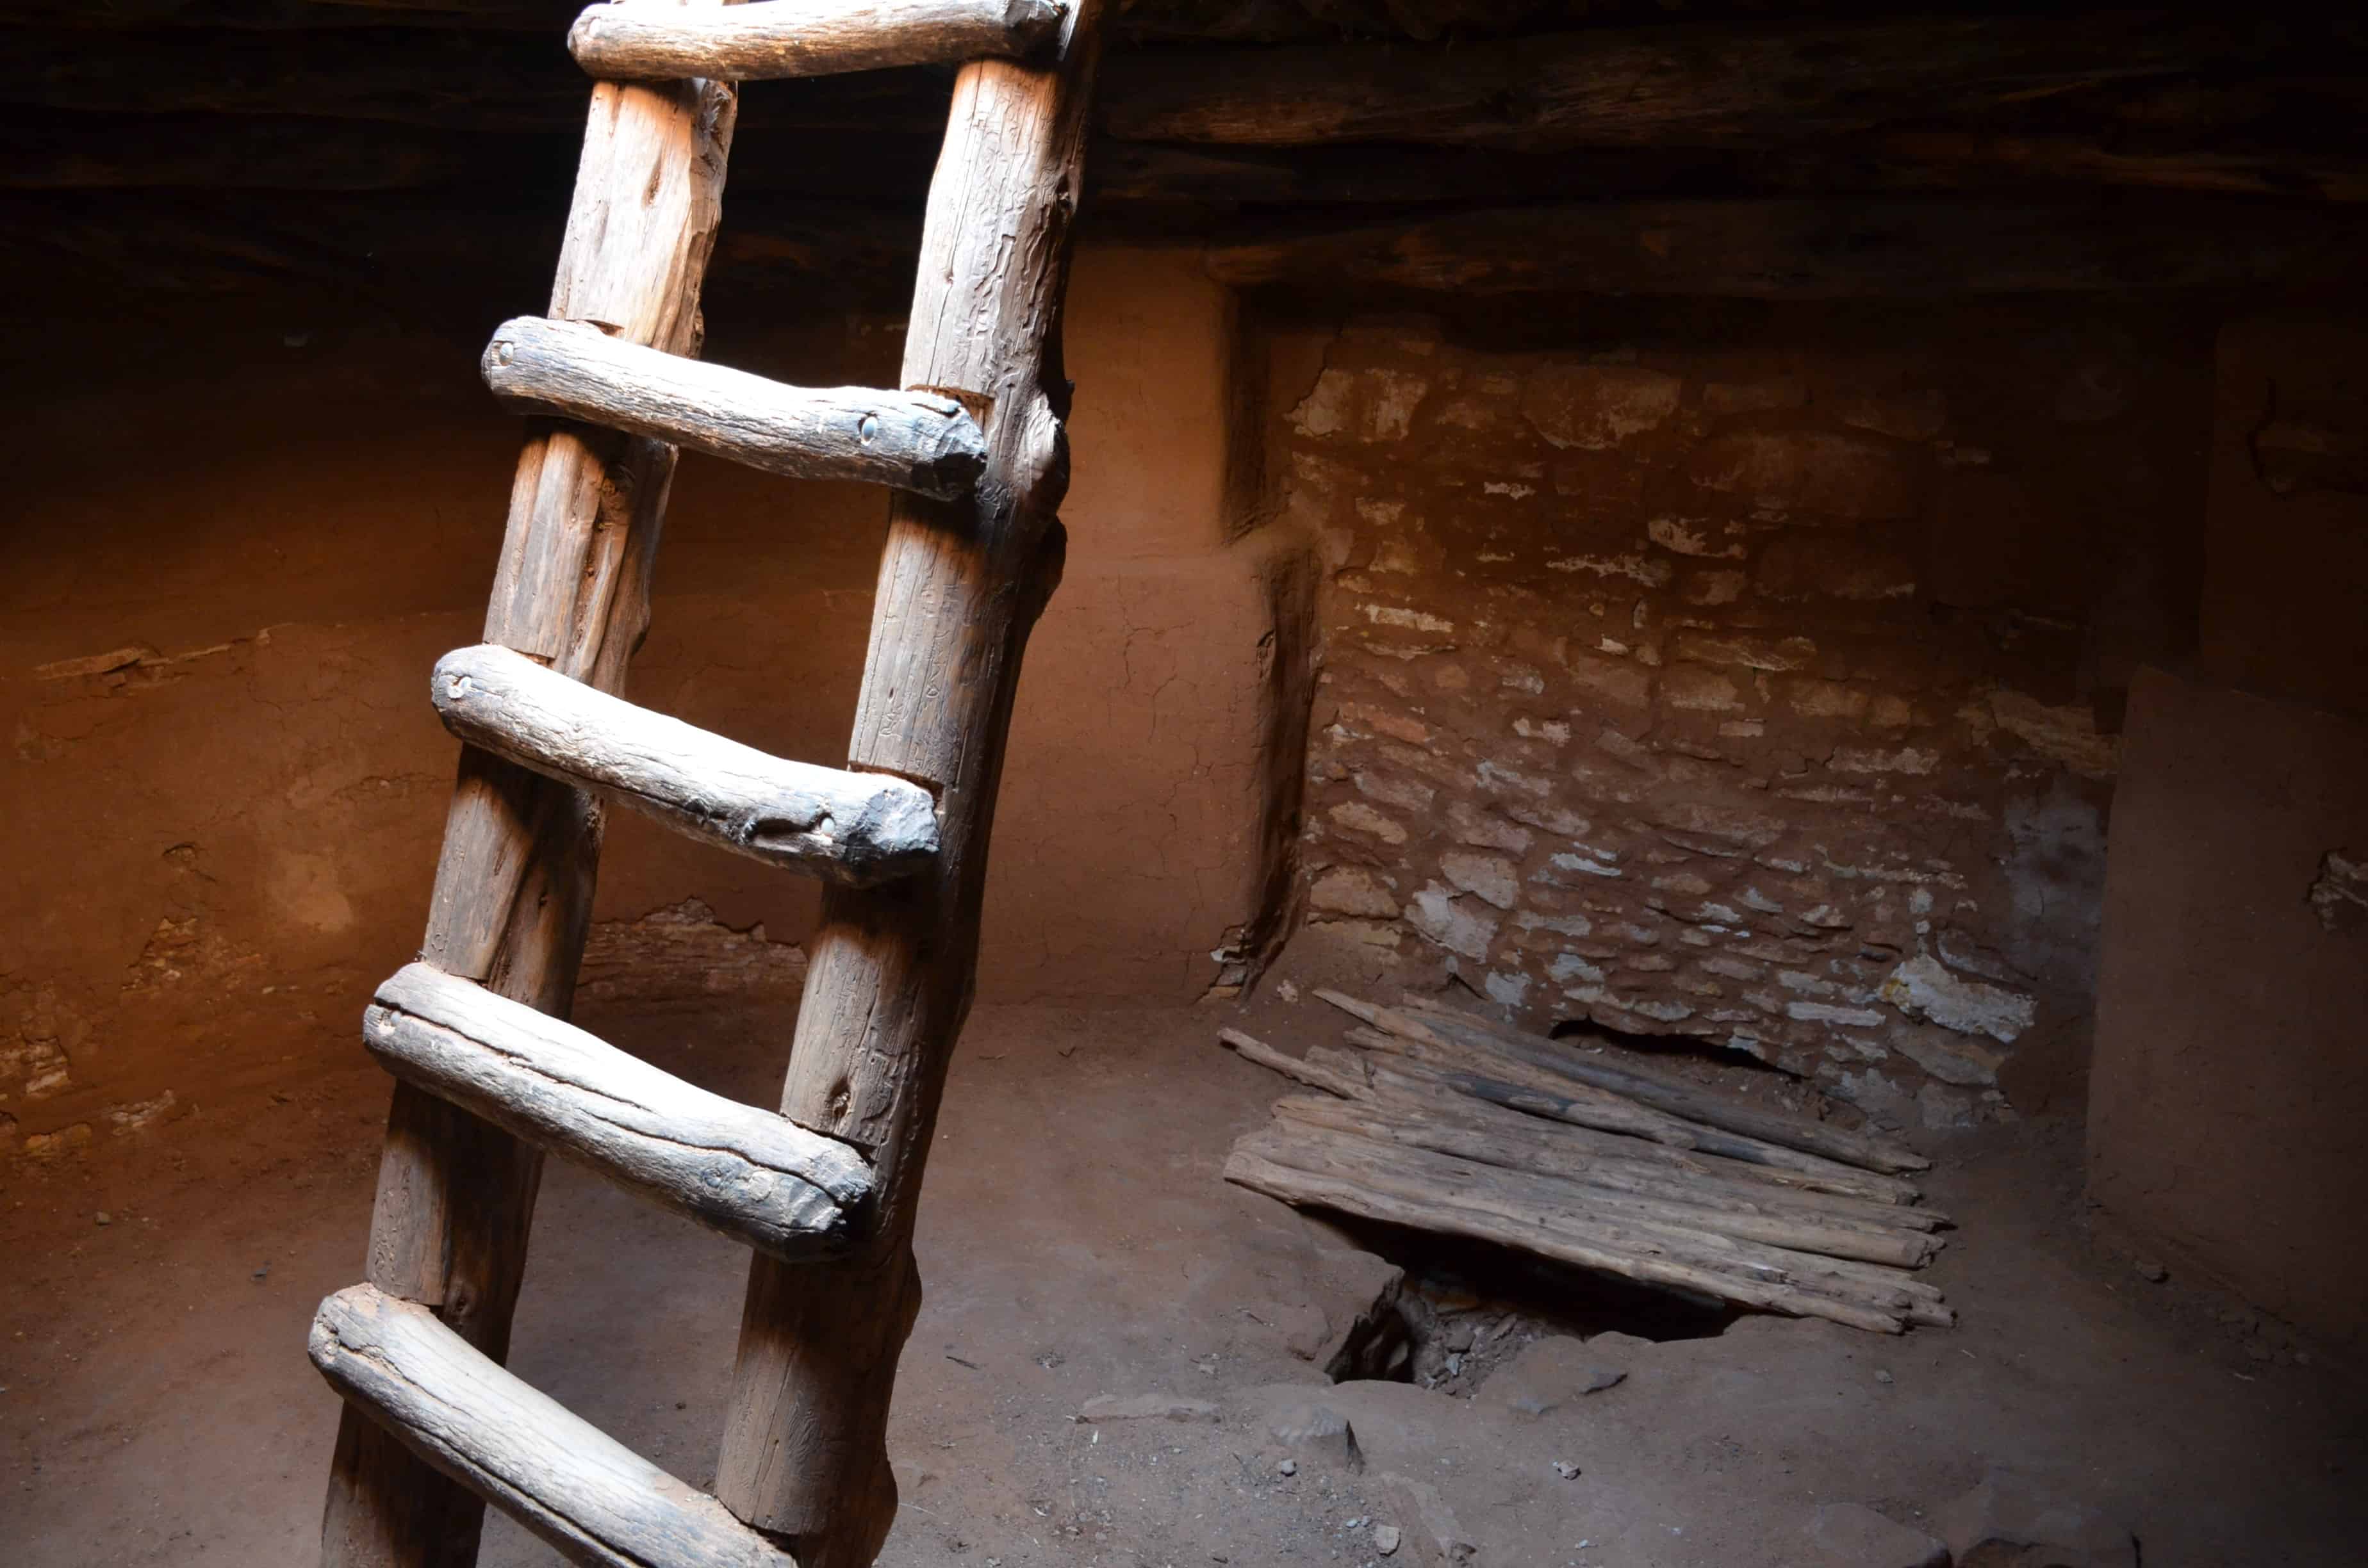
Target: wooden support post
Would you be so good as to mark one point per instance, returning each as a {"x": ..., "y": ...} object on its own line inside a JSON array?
[
  {"x": 514, "y": 887},
  {"x": 805, "y": 1453}
]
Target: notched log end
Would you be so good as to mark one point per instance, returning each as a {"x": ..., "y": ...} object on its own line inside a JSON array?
[
  {"x": 336, "y": 1333},
  {"x": 321, "y": 1343},
  {"x": 502, "y": 349},
  {"x": 947, "y": 477},
  {"x": 451, "y": 684},
  {"x": 892, "y": 834},
  {"x": 1033, "y": 24},
  {"x": 956, "y": 453},
  {"x": 585, "y": 40}
]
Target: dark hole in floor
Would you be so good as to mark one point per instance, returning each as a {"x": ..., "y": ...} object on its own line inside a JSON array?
[{"x": 1468, "y": 1307}]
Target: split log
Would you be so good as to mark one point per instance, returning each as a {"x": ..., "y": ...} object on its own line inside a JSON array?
[
  {"x": 1764, "y": 1218},
  {"x": 1415, "y": 1081},
  {"x": 1895, "y": 1205},
  {"x": 580, "y": 1490},
  {"x": 1676, "y": 1097},
  {"x": 1443, "y": 1064},
  {"x": 911, "y": 441},
  {"x": 1316, "y": 1075},
  {"x": 1575, "y": 1210},
  {"x": 1418, "y": 1094},
  {"x": 1836, "y": 247},
  {"x": 1425, "y": 1213},
  {"x": 1559, "y": 1106},
  {"x": 1500, "y": 1080},
  {"x": 747, "y": 1174},
  {"x": 857, "y": 828},
  {"x": 513, "y": 895},
  {"x": 962, "y": 583},
  {"x": 775, "y": 38}
]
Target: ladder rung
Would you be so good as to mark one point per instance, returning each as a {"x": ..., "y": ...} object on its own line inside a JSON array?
[
  {"x": 919, "y": 441},
  {"x": 591, "y": 1498},
  {"x": 755, "y": 1177},
  {"x": 773, "y": 39},
  {"x": 854, "y": 828}
]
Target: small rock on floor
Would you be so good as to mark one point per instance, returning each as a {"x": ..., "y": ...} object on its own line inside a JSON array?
[
  {"x": 1548, "y": 1374},
  {"x": 1319, "y": 1431},
  {"x": 1850, "y": 1535},
  {"x": 2010, "y": 1518}
]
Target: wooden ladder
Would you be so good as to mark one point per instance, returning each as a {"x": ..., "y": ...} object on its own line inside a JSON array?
[{"x": 489, "y": 1075}]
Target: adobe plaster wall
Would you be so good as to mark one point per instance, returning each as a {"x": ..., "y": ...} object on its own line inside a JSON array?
[
  {"x": 2223, "y": 1119},
  {"x": 231, "y": 573}
]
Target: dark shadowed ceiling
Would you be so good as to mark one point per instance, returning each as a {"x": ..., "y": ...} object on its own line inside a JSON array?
[{"x": 394, "y": 149}]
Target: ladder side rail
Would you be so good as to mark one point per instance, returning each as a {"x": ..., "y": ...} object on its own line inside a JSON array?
[
  {"x": 895, "y": 968},
  {"x": 514, "y": 883}
]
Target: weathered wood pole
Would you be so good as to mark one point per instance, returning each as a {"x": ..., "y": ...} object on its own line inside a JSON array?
[
  {"x": 960, "y": 584},
  {"x": 513, "y": 886}
]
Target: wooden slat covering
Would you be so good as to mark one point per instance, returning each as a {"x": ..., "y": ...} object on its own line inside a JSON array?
[
  {"x": 849, "y": 828},
  {"x": 911, "y": 441},
  {"x": 774, "y": 38},
  {"x": 747, "y": 1174},
  {"x": 598, "y": 1502},
  {"x": 960, "y": 584},
  {"x": 513, "y": 895}
]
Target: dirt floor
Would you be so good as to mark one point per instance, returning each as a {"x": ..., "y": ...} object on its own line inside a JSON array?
[{"x": 1078, "y": 1242}]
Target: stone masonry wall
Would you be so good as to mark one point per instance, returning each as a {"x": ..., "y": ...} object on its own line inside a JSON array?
[{"x": 1747, "y": 692}]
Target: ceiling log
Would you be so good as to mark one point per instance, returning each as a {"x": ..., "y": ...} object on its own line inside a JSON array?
[
  {"x": 444, "y": 80},
  {"x": 1877, "y": 247},
  {"x": 1700, "y": 84}
]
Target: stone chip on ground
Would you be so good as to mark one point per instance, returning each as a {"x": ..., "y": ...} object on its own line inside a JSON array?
[
  {"x": 1549, "y": 1374},
  {"x": 1318, "y": 1431},
  {"x": 1852, "y": 1535},
  {"x": 2011, "y": 1521},
  {"x": 1430, "y": 1528}
]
